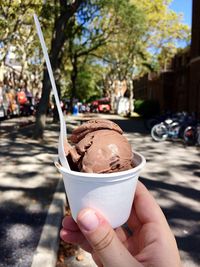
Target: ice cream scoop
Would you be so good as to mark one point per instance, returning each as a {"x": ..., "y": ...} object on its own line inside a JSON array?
[{"x": 99, "y": 147}]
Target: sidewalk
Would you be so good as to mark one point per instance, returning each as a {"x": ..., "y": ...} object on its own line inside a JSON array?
[
  {"x": 32, "y": 197},
  {"x": 28, "y": 180}
]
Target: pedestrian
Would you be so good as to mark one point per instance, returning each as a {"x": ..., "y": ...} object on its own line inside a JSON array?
[{"x": 147, "y": 242}]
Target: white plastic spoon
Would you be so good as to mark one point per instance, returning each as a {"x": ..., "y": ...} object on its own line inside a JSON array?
[{"x": 63, "y": 130}]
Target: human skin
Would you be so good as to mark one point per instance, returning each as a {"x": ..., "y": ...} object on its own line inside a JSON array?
[{"x": 152, "y": 243}]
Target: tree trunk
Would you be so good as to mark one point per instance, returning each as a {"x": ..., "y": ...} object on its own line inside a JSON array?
[
  {"x": 131, "y": 107},
  {"x": 42, "y": 108},
  {"x": 59, "y": 38},
  {"x": 113, "y": 98},
  {"x": 73, "y": 80},
  {"x": 55, "y": 110}
]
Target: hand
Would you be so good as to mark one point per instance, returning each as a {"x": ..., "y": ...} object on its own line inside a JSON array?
[{"x": 150, "y": 244}]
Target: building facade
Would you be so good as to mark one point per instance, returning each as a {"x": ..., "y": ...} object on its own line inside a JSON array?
[
  {"x": 194, "y": 90},
  {"x": 177, "y": 88}
]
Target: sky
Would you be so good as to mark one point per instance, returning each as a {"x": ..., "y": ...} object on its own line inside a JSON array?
[{"x": 185, "y": 7}]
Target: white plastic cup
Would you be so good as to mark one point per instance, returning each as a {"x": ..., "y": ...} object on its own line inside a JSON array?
[{"x": 111, "y": 194}]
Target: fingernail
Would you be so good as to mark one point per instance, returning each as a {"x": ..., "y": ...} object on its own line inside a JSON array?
[{"x": 88, "y": 220}]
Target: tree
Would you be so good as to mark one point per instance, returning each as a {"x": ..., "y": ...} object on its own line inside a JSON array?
[
  {"x": 90, "y": 31},
  {"x": 64, "y": 11},
  {"x": 78, "y": 24},
  {"x": 110, "y": 27},
  {"x": 124, "y": 46},
  {"x": 117, "y": 39},
  {"x": 17, "y": 36},
  {"x": 164, "y": 29},
  {"x": 102, "y": 24},
  {"x": 149, "y": 28}
]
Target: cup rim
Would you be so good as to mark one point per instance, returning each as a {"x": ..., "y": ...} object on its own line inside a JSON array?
[{"x": 120, "y": 174}]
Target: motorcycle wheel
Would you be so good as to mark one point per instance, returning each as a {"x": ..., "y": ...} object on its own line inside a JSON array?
[
  {"x": 159, "y": 132},
  {"x": 189, "y": 136}
]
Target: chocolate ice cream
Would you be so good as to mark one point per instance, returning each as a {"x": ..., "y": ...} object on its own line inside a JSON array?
[{"x": 99, "y": 147}]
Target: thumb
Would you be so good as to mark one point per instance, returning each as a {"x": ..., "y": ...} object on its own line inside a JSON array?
[{"x": 104, "y": 240}]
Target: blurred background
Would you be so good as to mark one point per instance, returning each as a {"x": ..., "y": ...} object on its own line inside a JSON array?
[{"x": 107, "y": 56}]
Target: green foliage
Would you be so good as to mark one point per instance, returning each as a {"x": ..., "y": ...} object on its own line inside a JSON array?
[
  {"x": 86, "y": 86},
  {"x": 124, "y": 45},
  {"x": 146, "y": 108},
  {"x": 125, "y": 37},
  {"x": 17, "y": 34},
  {"x": 165, "y": 29}
]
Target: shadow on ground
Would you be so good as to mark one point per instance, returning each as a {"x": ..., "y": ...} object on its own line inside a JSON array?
[
  {"x": 28, "y": 180},
  {"x": 176, "y": 214}
]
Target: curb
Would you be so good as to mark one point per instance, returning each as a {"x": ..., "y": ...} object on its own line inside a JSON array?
[{"x": 46, "y": 252}]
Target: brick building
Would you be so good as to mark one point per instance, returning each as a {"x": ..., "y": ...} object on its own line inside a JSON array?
[
  {"x": 194, "y": 92},
  {"x": 181, "y": 81},
  {"x": 178, "y": 87},
  {"x": 158, "y": 87}
]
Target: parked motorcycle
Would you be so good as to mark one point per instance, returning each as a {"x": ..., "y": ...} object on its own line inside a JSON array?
[
  {"x": 191, "y": 134},
  {"x": 150, "y": 122},
  {"x": 172, "y": 128},
  {"x": 164, "y": 130}
]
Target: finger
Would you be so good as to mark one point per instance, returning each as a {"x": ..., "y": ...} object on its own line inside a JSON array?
[
  {"x": 122, "y": 233},
  {"x": 97, "y": 260},
  {"x": 145, "y": 207},
  {"x": 68, "y": 234},
  {"x": 76, "y": 238},
  {"x": 104, "y": 240},
  {"x": 133, "y": 222},
  {"x": 70, "y": 224},
  {"x": 71, "y": 237},
  {"x": 72, "y": 234}
]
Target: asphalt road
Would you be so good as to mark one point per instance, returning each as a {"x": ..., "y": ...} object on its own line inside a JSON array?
[{"x": 28, "y": 179}]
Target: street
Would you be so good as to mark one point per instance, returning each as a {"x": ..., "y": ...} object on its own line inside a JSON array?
[{"x": 28, "y": 180}]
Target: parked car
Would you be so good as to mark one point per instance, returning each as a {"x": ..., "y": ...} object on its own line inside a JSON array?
[{"x": 101, "y": 105}]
